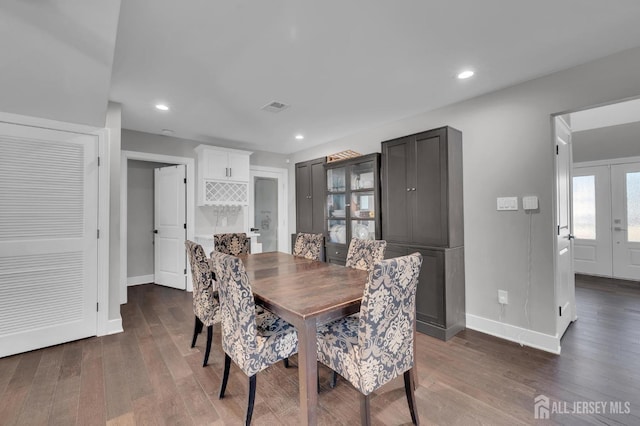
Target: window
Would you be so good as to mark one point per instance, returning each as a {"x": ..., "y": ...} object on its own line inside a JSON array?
[{"x": 584, "y": 207}]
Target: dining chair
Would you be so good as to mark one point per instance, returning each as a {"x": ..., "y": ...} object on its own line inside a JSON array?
[
  {"x": 309, "y": 246},
  {"x": 363, "y": 254},
  {"x": 234, "y": 243},
  {"x": 377, "y": 346},
  {"x": 205, "y": 299},
  {"x": 253, "y": 342}
]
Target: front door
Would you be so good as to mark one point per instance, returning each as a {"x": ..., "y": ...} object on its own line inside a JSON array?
[
  {"x": 170, "y": 262},
  {"x": 565, "y": 280},
  {"x": 625, "y": 207},
  {"x": 592, "y": 220}
]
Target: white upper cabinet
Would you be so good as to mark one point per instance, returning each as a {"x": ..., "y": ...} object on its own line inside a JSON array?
[
  {"x": 223, "y": 175},
  {"x": 223, "y": 164}
]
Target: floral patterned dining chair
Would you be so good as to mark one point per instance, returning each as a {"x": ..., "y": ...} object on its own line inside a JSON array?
[
  {"x": 363, "y": 254},
  {"x": 309, "y": 246},
  {"x": 373, "y": 348},
  {"x": 205, "y": 299},
  {"x": 235, "y": 243},
  {"x": 253, "y": 342}
]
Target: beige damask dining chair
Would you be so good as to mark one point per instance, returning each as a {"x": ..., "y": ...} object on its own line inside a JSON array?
[
  {"x": 309, "y": 246},
  {"x": 233, "y": 243},
  {"x": 377, "y": 346},
  {"x": 205, "y": 299},
  {"x": 253, "y": 342},
  {"x": 363, "y": 254}
]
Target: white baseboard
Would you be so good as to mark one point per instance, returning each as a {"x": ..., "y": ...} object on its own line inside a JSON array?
[
  {"x": 114, "y": 326},
  {"x": 534, "y": 339},
  {"x": 142, "y": 279}
]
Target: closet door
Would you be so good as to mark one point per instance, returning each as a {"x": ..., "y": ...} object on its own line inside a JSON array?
[{"x": 48, "y": 237}]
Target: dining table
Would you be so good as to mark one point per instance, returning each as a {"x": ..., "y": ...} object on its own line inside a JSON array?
[{"x": 305, "y": 293}]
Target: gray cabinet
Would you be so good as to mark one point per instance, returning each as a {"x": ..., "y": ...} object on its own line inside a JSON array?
[
  {"x": 310, "y": 184},
  {"x": 422, "y": 211}
]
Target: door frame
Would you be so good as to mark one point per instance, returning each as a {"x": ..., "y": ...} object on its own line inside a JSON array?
[
  {"x": 283, "y": 209},
  {"x": 104, "y": 325},
  {"x": 190, "y": 206}
]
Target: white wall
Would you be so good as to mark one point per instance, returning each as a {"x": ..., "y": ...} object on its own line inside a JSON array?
[
  {"x": 113, "y": 123},
  {"x": 507, "y": 152},
  {"x": 607, "y": 142}
]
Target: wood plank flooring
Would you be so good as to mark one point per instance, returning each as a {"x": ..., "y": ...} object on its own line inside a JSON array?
[{"x": 149, "y": 375}]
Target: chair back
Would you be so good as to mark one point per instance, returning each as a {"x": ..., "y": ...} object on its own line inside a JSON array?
[
  {"x": 238, "y": 311},
  {"x": 205, "y": 304},
  {"x": 308, "y": 246},
  {"x": 363, "y": 254},
  {"x": 387, "y": 317},
  {"x": 235, "y": 243}
]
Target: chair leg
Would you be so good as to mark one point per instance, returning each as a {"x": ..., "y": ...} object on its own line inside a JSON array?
[
  {"x": 365, "y": 410},
  {"x": 252, "y": 398},
  {"x": 197, "y": 329},
  {"x": 225, "y": 375},
  {"x": 334, "y": 379},
  {"x": 209, "y": 339},
  {"x": 411, "y": 397},
  {"x": 286, "y": 362}
]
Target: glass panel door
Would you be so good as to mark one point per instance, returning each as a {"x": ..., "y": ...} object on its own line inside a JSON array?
[{"x": 266, "y": 212}]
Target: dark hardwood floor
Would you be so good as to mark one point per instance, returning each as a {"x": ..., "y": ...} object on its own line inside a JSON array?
[{"x": 150, "y": 375}]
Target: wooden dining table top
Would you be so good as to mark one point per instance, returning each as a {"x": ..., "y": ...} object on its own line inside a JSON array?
[{"x": 306, "y": 288}]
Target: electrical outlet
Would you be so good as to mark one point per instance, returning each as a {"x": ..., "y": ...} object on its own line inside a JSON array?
[{"x": 503, "y": 297}]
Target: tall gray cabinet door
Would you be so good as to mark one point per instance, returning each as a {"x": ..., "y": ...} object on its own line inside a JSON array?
[
  {"x": 430, "y": 223},
  {"x": 396, "y": 190},
  {"x": 318, "y": 183},
  {"x": 304, "y": 215}
]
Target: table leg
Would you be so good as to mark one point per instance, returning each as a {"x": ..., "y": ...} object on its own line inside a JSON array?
[{"x": 308, "y": 372}]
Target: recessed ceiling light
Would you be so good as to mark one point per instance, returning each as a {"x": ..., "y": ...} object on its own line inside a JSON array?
[
  {"x": 167, "y": 132},
  {"x": 299, "y": 137},
  {"x": 465, "y": 74},
  {"x": 162, "y": 107}
]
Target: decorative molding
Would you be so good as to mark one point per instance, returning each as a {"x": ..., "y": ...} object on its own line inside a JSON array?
[
  {"x": 141, "y": 279},
  {"x": 115, "y": 326},
  {"x": 523, "y": 336}
]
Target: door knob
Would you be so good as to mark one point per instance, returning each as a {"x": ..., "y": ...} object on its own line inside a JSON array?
[
  {"x": 571, "y": 237},
  {"x": 155, "y": 231}
]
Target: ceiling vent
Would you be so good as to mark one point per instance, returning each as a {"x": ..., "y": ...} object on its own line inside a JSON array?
[{"x": 275, "y": 106}]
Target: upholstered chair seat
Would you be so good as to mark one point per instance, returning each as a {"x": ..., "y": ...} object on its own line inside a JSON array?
[
  {"x": 309, "y": 246},
  {"x": 234, "y": 243},
  {"x": 205, "y": 298},
  {"x": 253, "y": 342},
  {"x": 375, "y": 347}
]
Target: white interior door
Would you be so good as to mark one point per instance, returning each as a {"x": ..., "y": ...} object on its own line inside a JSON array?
[
  {"x": 170, "y": 262},
  {"x": 625, "y": 179},
  {"x": 565, "y": 280},
  {"x": 48, "y": 237},
  {"x": 592, "y": 220}
]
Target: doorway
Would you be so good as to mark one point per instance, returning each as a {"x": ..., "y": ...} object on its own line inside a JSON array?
[
  {"x": 268, "y": 207},
  {"x": 606, "y": 200},
  {"x": 127, "y": 156}
]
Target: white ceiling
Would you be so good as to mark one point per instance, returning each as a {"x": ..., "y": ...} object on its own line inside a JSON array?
[{"x": 343, "y": 66}]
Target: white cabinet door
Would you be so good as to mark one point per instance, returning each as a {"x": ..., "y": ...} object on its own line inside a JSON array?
[
  {"x": 215, "y": 165},
  {"x": 238, "y": 167}
]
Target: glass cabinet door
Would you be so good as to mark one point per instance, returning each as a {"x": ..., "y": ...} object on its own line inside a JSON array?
[
  {"x": 336, "y": 180},
  {"x": 337, "y": 218},
  {"x": 362, "y": 176},
  {"x": 363, "y": 213}
]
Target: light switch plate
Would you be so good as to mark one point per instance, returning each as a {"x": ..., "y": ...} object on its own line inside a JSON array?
[
  {"x": 530, "y": 202},
  {"x": 507, "y": 203}
]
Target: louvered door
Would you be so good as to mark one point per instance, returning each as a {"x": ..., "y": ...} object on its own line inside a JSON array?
[{"x": 48, "y": 242}]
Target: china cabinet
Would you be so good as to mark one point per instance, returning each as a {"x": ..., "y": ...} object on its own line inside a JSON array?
[{"x": 352, "y": 208}]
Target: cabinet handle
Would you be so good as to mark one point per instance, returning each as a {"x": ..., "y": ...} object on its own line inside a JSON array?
[
  {"x": 337, "y": 252},
  {"x": 408, "y": 189},
  {"x": 347, "y": 205},
  {"x": 413, "y": 189},
  {"x": 230, "y": 172}
]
